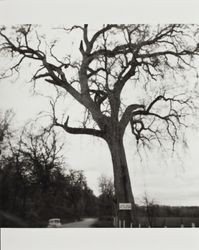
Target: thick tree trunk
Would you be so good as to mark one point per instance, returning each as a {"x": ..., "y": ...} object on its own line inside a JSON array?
[{"x": 122, "y": 181}]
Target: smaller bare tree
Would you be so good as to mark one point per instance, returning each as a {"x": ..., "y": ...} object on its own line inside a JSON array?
[
  {"x": 5, "y": 131},
  {"x": 107, "y": 200},
  {"x": 151, "y": 210}
]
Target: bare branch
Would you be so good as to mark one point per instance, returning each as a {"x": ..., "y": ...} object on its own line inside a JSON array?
[
  {"x": 128, "y": 113},
  {"x": 82, "y": 131}
]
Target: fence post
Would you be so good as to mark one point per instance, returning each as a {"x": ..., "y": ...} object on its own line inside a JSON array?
[
  {"x": 124, "y": 223},
  {"x": 193, "y": 224},
  {"x": 116, "y": 221},
  {"x": 182, "y": 225},
  {"x": 120, "y": 224}
]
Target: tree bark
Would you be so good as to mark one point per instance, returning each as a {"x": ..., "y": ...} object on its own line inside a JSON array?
[{"x": 122, "y": 181}]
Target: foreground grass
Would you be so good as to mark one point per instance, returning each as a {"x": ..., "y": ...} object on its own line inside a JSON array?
[
  {"x": 169, "y": 221},
  {"x": 158, "y": 222}
]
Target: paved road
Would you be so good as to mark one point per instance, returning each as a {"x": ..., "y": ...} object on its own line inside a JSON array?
[{"x": 86, "y": 222}]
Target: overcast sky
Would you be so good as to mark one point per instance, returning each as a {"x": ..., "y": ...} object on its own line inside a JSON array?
[
  {"x": 167, "y": 180},
  {"x": 171, "y": 180}
]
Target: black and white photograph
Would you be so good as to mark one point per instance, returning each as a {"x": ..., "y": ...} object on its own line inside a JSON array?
[{"x": 99, "y": 126}]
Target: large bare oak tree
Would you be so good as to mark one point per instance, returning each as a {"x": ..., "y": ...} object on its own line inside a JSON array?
[{"x": 112, "y": 59}]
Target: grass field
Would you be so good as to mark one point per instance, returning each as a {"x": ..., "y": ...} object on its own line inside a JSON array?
[
  {"x": 157, "y": 222},
  {"x": 170, "y": 221}
]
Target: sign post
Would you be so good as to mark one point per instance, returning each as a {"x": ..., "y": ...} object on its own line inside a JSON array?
[{"x": 122, "y": 208}]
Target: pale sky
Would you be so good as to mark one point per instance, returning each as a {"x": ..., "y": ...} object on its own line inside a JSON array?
[{"x": 167, "y": 180}]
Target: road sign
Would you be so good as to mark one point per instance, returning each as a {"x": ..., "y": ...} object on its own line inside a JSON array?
[{"x": 125, "y": 206}]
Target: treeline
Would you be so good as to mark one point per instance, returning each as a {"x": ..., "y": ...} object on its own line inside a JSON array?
[
  {"x": 34, "y": 183},
  {"x": 169, "y": 211}
]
